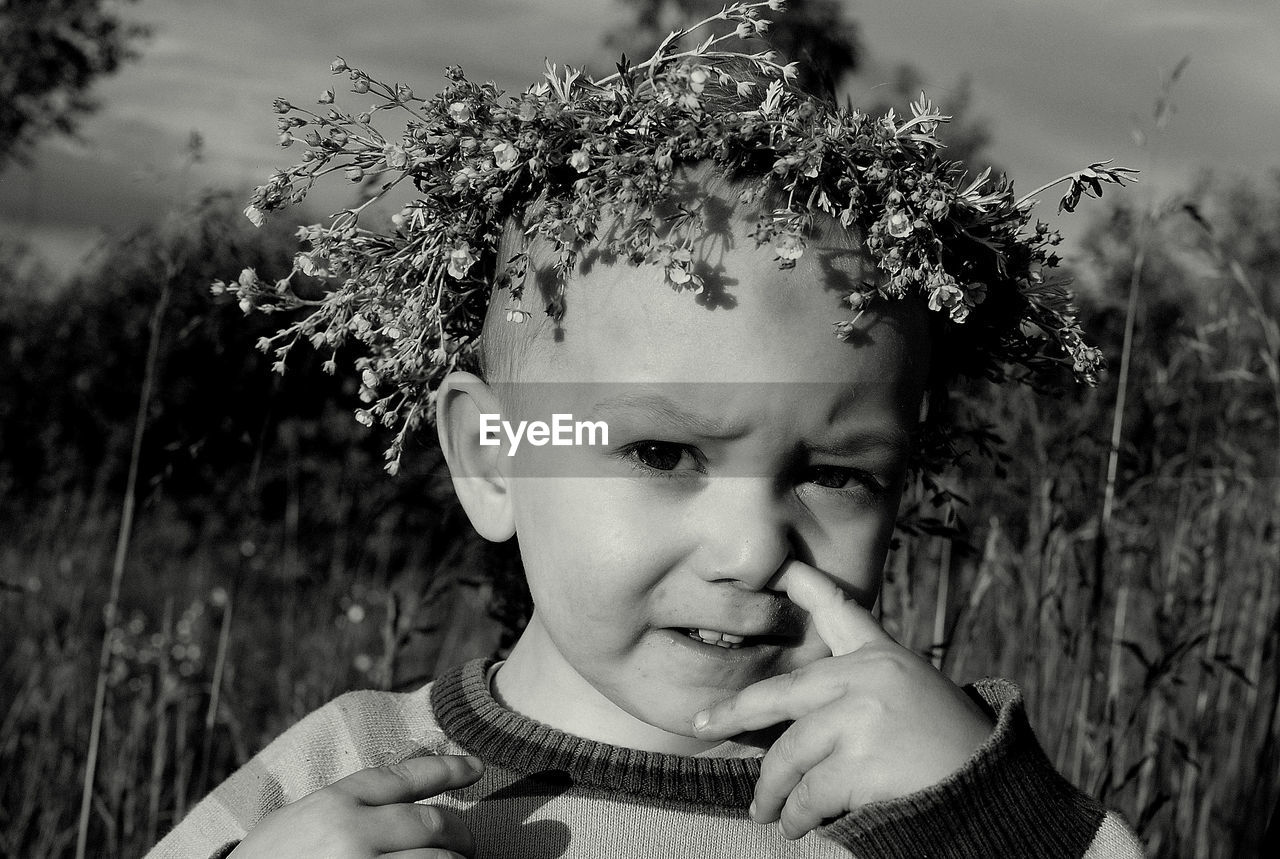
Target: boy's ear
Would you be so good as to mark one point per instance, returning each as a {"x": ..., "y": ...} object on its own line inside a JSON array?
[{"x": 478, "y": 478}]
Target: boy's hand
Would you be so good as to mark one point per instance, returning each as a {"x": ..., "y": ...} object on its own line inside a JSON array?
[
  {"x": 371, "y": 813},
  {"x": 872, "y": 722}
]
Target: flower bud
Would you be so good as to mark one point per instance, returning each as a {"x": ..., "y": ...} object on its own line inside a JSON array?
[{"x": 338, "y": 66}]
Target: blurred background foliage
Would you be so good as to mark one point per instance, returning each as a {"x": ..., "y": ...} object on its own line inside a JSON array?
[{"x": 272, "y": 564}]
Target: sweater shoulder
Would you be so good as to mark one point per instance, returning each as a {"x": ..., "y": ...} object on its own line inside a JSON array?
[{"x": 364, "y": 728}]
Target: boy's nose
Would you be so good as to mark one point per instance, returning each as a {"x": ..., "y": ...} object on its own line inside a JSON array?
[{"x": 745, "y": 532}]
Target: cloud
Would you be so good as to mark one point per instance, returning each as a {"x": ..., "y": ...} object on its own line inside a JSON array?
[{"x": 1062, "y": 83}]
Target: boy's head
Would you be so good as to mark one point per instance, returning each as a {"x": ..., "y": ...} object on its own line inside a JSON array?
[
  {"x": 696, "y": 311},
  {"x": 741, "y": 437}
]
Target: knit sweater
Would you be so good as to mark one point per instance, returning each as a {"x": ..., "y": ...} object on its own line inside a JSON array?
[{"x": 546, "y": 793}]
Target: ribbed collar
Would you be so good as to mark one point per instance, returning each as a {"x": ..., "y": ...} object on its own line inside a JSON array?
[{"x": 472, "y": 718}]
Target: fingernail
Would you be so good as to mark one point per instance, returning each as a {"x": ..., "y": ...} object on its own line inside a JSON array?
[
  {"x": 751, "y": 811},
  {"x": 474, "y": 763},
  {"x": 700, "y": 721}
]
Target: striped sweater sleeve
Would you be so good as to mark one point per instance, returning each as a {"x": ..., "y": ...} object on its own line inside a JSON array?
[
  {"x": 354, "y": 731},
  {"x": 1006, "y": 801}
]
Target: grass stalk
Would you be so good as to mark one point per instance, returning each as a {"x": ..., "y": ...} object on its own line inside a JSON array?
[{"x": 111, "y": 611}]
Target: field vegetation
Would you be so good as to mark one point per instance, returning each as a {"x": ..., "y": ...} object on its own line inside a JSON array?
[{"x": 195, "y": 552}]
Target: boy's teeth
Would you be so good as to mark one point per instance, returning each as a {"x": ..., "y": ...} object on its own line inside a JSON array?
[{"x": 720, "y": 639}]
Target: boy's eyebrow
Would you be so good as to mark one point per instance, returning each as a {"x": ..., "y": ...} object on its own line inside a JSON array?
[
  {"x": 661, "y": 407},
  {"x": 896, "y": 442},
  {"x": 669, "y": 411}
]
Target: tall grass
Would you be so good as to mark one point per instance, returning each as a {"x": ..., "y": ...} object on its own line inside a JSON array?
[{"x": 1149, "y": 659}]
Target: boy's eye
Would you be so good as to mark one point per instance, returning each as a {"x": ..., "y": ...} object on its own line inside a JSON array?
[
  {"x": 658, "y": 455},
  {"x": 838, "y": 477}
]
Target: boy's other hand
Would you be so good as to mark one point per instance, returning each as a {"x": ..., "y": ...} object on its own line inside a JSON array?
[
  {"x": 872, "y": 722},
  {"x": 372, "y": 813}
]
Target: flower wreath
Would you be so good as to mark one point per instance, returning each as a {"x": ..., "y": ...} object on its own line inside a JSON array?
[{"x": 571, "y": 151}]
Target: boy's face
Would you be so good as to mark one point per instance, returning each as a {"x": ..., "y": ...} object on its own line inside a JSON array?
[{"x": 741, "y": 438}]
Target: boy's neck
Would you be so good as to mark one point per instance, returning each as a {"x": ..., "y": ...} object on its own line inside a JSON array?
[{"x": 538, "y": 683}]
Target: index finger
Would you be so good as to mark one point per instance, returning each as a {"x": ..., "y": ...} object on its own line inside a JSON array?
[
  {"x": 411, "y": 779},
  {"x": 840, "y": 621}
]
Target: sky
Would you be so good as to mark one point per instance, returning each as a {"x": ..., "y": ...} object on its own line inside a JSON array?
[{"x": 1060, "y": 83}]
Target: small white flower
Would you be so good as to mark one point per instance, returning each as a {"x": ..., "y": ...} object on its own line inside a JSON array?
[
  {"x": 900, "y": 225},
  {"x": 254, "y": 214},
  {"x": 395, "y": 156},
  {"x": 311, "y": 265},
  {"x": 506, "y": 156},
  {"x": 579, "y": 160},
  {"x": 789, "y": 246},
  {"x": 460, "y": 112},
  {"x": 460, "y": 261}
]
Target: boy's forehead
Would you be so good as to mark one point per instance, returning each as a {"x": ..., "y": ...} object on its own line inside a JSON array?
[{"x": 752, "y": 322}]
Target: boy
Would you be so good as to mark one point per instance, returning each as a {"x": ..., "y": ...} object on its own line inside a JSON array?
[{"x": 701, "y": 675}]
